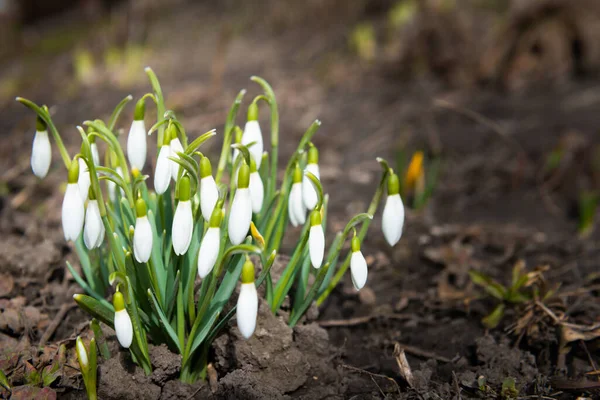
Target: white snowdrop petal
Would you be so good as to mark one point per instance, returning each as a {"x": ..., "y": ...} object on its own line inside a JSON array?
[
  {"x": 142, "y": 239},
  {"x": 257, "y": 191},
  {"x": 209, "y": 251},
  {"x": 176, "y": 147},
  {"x": 41, "y": 154},
  {"x": 393, "y": 219},
  {"x": 95, "y": 154},
  {"x": 240, "y": 216},
  {"x": 136, "y": 145},
  {"x": 292, "y": 202},
  {"x": 183, "y": 227},
  {"x": 209, "y": 194},
  {"x": 358, "y": 270},
  {"x": 251, "y": 134},
  {"x": 72, "y": 212},
  {"x": 123, "y": 328},
  {"x": 84, "y": 180},
  {"x": 162, "y": 175},
  {"x": 316, "y": 245},
  {"x": 309, "y": 193},
  {"x": 247, "y": 309},
  {"x": 299, "y": 209},
  {"x": 93, "y": 226},
  {"x": 82, "y": 352}
]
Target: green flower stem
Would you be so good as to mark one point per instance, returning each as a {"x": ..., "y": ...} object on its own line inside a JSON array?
[
  {"x": 361, "y": 235},
  {"x": 160, "y": 102},
  {"x": 102, "y": 345},
  {"x": 227, "y": 134},
  {"x": 180, "y": 315},
  {"x": 103, "y": 130},
  {"x": 271, "y": 183},
  {"x": 43, "y": 113},
  {"x": 118, "y": 109},
  {"x": 298, "y": 313}
]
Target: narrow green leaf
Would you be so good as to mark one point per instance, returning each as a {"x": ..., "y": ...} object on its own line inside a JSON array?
[
  {"x": 96, "y": 309},
  {"x": 165, "y": 322}
]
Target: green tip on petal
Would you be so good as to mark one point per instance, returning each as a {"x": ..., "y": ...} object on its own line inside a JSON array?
[
  {"x": 253, "y": 112},
  {"x": 393, "y": 184},
  {"x": 40, "y": 125},
  {"x": 238, "y": 134},
  {"x": 248, "y": 272},
  {"x": 244, "y": 176},
  {"x": 216, "y": 218},
  {"x": 313, "y": 155},
  {"x": 205, "y": 167},
  {"x": 252, "y": 165},
  {"x": 184, "y": 188},
  {"x": 91, "y": 194},
  {"x": 171, "y": 133},
  {"x": 140, "y": 208},
  {"x": 315, "y": 218},
  {"x": 140, "y": 110},
  {"x": 74, "y": 171},
  {"x": 355, "y": 244},
  {"x": 118, "y": 301},
  {"x": 297, "y": 178}
]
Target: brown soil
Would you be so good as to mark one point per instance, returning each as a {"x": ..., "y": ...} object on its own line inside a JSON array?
[{"x": 490, "y": 210}]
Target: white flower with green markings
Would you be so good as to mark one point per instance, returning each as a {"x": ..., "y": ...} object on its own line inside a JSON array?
[
  {"x": 176, "y": 147},
  {"x": 309, "y": 193},
  {"x": 83, "y": 181},
  {"x": 296, "y": 209},
  {"x": 142, "y": 234},
  {"x": 162, "y": 173},
  {"x": 393, "y": 212},
  {"x": 257, "y": 189},
  {"x": 122, "y": 321},
  {"x": 210, "y": 245},
  {"x": 240, "y": 214},
  {"x": 316, "y": 239},
  {"x": 209, "y": 193},
  {"x": 252, "y": 136},
  {"x": 41, "y": 152},
  {"x": 93, "y": 229},
  {"x": 73, "y": 211},
  {"x": 183, "y": 220},
  {"x": 136, "y": 141},
  {"x": 358, "y": 265},
  {"x": 247, "y": 304}
]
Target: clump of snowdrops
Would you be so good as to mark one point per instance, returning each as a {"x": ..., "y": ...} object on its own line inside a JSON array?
[{"x": 172, "y": 255}]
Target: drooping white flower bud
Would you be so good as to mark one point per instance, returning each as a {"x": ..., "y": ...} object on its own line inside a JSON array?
[
  {"x": 93, "y": 230},
  {"x": 82, "y": 355},
  {"x": 316, "y": 239},
  {"x": 358, "y": 265},
  {"x": 95, "y": 154},
  {"x": 41, "y": 152},
  {"x": 252, "y": 134},
  {"x": 83, "y": 181},
  {"x": 72, "y": 208},
  {"x": 257, "y": 189},
  {"x": 209, "y": 247},
  {"x": 209, "y": 193},
  {"x": 247, "y": 304},
  {"x": 309, "y": 193},
  {"x": 176, "y": 147},
  {"x": 296, "y": 208},
  {"x": 183, "y": 220},
  {"x": 240, "y": 214},
  {"x": 142, "y": 235},
  {"x": 122, "y": 321},
  {"x": 393, "y": 212},
  {"x": 136, "y": 144},
  {"x": 162, "y": 175}
]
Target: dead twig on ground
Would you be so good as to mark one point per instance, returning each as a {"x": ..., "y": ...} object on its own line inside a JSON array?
[
  {"x": 415, "y": 351},
  {"x": 371, "y": 374},
  {"x": 60, "y": 316},
  {"x": 330, "y": 323},
  {"x": 403, "y": 365}
]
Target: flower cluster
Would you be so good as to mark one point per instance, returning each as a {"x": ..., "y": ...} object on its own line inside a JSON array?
[{"x": 173, "y": 255}]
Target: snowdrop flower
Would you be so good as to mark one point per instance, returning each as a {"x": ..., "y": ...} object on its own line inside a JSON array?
[
  {"x": 72, "y": 208},
  {"x": 211, "y": 242},
  {"x": 136, "y": 141},
  {"x": 83, "y": 181},
  {"x": 358, "y": 265},
  {"x": 176, "y": 147},
  {"x": 93, "y": 231},
  {"x": 257, "y": 189},
  {"x": 247, "y": 304},
  {"x": 252, "y": 133},
  {"x": 309, "y": 193},
  {"x": 122, "y": 321},
  {"x": 240, "y": 214},
  {"x": 209, "y": 193},
  {"x": 296, "y": 208},
  {"x": 41, "y": 153},
  {"x": 94, "y": 151},
  {"x": 393, "y": 212},
  {"x": 183, "y": 220},
  {"x": 316, "y": 239},
  {"x": 82, "y": 355},
  {"x": 142, "y": 235},
  {"x": 162, "y": 174}
]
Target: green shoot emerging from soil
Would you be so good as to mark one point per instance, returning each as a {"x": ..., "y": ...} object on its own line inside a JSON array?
[{"x": 172, "y": 256}]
